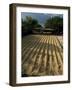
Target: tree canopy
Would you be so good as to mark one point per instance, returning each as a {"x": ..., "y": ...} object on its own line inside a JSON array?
[
  {"x": 29, "y": 23},
  {"x": 55, "y": 23}
]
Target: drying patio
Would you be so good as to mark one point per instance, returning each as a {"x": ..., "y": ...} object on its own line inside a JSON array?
[{"x": 42, "y": 55}]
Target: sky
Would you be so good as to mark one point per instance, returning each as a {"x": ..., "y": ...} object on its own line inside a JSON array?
[{"x": 41, "y": 17}]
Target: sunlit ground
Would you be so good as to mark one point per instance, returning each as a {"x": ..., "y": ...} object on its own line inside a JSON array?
[{"x": 42, "y": 55}]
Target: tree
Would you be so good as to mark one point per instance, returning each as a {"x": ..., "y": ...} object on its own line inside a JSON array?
[
  {"x": 55, "y": 23},
  {"x": 28, "y": 24}
]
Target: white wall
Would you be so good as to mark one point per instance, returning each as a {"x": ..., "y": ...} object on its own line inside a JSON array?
[{"x": 4, "y": 45}]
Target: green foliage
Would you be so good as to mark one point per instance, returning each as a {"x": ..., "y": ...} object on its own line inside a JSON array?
[
  {"x": 55, "y": 23},
  {"x": 28, "y": 24}
]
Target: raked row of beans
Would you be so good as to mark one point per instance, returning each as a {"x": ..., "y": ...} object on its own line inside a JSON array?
[{"x": 42, "y": 55}]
